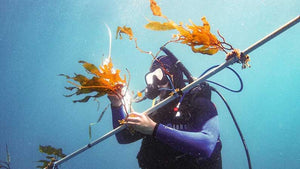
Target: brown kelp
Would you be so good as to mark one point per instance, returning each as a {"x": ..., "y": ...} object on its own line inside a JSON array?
[
  {"x": 52, "y": 155},
  {"x": 124, "y": 30},
  {"x": 104, "y": 80},
  {"x": 198, "y": 37}
]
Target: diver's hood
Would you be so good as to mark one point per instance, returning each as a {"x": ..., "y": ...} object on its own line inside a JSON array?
[{"x": 171, "y": 64}]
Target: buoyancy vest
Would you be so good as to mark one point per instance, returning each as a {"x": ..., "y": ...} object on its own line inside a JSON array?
[{"x": 154, "y": 154}]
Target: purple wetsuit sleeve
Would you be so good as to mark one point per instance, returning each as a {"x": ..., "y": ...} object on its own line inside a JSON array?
[
  {"x": 200, "y": 143},
  {"x": 117, "y": 114},
  {"x": 123, "y": 137}
]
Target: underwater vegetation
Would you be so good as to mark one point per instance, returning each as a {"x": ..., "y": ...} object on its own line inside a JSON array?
[
  {"x": 5, "y": 164},
  {"x": 155, "y": 9},
  {"x": 199, "y": 38},
  {"x": 125, "y": 30},
  {"x": 52, "y": 155},
  {"x": 107, "y": 80},
  {"x": 103, "y": 81}
]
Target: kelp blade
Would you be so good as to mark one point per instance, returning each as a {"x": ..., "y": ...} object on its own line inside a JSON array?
[
  {"x": 199, "y": 38},
  {"x": 104, "y": 80},
  {"x": 125, "y": 30},
  {"x": 158, "y": 26},
  {"x": 155, "y": 8}
]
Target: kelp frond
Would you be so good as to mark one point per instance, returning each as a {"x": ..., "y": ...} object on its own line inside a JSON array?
[
  {"x": 104, "y": 80},
  {"x": 52, "y": 151},
  {"x": 199, "y": 38},
  {"x": 53, "y": 154},
  {"x": 124, "y": 30},
  {"x": 156, "y": 9},
  {"x": 159, "y": 26}
]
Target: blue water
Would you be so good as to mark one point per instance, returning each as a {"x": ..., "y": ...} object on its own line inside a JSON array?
[{"x": 41, "y": 39}]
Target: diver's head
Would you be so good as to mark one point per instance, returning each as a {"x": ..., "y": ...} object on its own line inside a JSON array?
[{"x": 164, "y": 73}]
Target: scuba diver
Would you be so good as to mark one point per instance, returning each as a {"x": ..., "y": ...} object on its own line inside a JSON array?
[{"x": 184, "y": 134}]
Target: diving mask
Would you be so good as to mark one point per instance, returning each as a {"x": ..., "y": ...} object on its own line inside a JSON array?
[
  {"x": 153, "y": 80},
  {"x": 156, "y": 77}
]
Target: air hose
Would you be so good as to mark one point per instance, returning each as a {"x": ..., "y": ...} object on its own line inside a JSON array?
[
  {"x": 229, "y": 109},
  {"x": 238, "y": 76},
  {"x": 236, "y": 125}
]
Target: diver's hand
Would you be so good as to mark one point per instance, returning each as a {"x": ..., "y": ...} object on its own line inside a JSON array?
[
  {"x": 115, "y": 100},
  {"x": 141, "y": 122}
]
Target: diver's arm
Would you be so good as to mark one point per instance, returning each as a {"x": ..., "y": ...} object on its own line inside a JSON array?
[
  {"x": 203, "y": 139},
  {"x": 124, "y": 136},
  {"x": 200, "y": 143}
]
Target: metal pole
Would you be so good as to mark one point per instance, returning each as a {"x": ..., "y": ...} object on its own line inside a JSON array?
[
  {"x": 149, "y": 111},
  {"x": 153, "y": 109},
  {"x": 84, "y": 148},
  {"x": 272, "y": 35}
]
